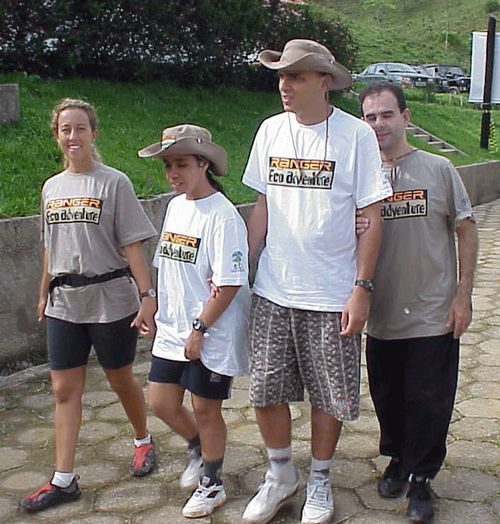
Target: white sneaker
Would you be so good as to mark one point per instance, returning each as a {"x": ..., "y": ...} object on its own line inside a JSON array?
[
  {"x": 192, "y": 473},
  {"x": 204, "y": 499},
  {"x": 318, "y": 507},
  {"x": 271, "y": 495}
]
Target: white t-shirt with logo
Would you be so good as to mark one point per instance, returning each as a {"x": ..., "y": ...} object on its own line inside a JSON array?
[
  {"x": 87, "y": 218},
  {"x": 200, "y": 240},
  {"x": 309, "y": 260}
]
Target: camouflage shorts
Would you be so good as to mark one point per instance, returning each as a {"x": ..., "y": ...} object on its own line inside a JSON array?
[{"x": 292, "y": 348}]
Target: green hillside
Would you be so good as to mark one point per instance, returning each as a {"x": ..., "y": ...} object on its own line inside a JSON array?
[{"x": 415, "y": 31}]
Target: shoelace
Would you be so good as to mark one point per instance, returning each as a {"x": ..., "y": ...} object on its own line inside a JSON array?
[
  {"x": 265, "y": 486},
  {"x": 205, "y": 492},
  {"x": 140, "y": 453},
  {"x": 319, "y": 494},
  {"x": 46, "y": 487}
]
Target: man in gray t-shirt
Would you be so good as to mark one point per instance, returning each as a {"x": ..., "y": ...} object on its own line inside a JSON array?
[{"x": 418, "y": 309}]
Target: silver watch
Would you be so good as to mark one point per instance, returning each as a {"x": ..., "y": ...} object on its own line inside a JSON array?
[
  {"x": 367, "y": 284},
  {"x": 149, "y": 293},
  {"x": 199, "y": 325}
]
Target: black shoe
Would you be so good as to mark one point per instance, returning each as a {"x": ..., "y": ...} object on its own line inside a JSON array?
[
  {"x": 393, "y": 481},
  {"x": 420, "y": 507},
  {"x": 50, "y": 495}
]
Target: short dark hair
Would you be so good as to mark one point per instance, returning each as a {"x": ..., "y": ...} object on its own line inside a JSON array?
[{"x": 378, "y": 87}]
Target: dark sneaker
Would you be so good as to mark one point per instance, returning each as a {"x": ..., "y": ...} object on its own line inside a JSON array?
[
  {"x": 50, "y": 495},
  {"x": 144, "y": 459},
  {"x": 420, "y": 507},
  {"x": 393, "y": 481}
]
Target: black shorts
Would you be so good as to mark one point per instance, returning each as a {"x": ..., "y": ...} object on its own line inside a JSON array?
[
  {"x": 193, "y": 376},
  {"x": 69, "y": 343}
]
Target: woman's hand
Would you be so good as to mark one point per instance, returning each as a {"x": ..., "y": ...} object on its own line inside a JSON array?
[
  {"x": 362, "y": 223},
  {"x": 144, "y": 320},
  {"x": 40, "y": 308},
  {"x": 194, "y": 344},
  {"x": 214, "y": 290}
]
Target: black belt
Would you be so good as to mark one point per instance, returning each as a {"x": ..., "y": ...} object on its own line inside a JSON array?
[{"x": 75, "y": 280}]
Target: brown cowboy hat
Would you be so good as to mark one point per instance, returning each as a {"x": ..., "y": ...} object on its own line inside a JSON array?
[
  {"x": 188, "y": 139},
  {"x": 307, "y": 55}
]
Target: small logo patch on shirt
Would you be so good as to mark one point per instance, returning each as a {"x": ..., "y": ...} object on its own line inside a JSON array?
[{"x": 237, "y": 262}]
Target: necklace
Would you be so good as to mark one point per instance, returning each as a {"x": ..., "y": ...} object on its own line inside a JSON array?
[
  {"x": 391, "y": 165},
  {"x": 306, "y": 174}
]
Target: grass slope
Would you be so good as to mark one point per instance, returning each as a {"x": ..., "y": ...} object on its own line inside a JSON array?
[
  {"x": 133, "y": 116},
  {"x": 417, "y": 31}
]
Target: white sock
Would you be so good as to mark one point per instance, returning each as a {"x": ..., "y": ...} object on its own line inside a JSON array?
[
  {"x": 320, "y": 467},
  {"x": 62, "y": 480},
  {"x": 280, "y": 460},
  {"x": 142, "y": 441}
]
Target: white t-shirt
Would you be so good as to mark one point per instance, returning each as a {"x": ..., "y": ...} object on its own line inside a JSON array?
[
  {"x": 309, "y": 260},
  {"x": 200, "y": 240},
  {"x": 87, "y": 218}
]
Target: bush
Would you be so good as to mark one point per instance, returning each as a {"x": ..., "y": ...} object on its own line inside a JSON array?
[
  {"x": 285, "y": 23},
  {"x": 204, "y": 42},
  {"x": 492, "y": 6},
  {"x": 109, "y": 39}
]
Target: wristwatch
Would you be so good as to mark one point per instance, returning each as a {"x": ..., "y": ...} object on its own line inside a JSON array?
[
  {"x": 199, "y": 325},
  {"x": 367, "y": 284},
  {"x": 149, "y": 293}
]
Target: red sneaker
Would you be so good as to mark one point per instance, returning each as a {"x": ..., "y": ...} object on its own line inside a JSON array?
[
  {"x": 144, "y": 459},
  {"x": 50, "y": 495}
]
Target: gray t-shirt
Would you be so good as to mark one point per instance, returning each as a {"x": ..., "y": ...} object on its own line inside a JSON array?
[
  {"x": 87, "y": 219},
  {"x": 415, "y": 278}
]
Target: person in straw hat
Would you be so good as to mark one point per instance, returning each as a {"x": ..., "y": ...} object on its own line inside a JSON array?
[
  {"x": 201, "y": 341},
  {"x": 312, "y": 165}
]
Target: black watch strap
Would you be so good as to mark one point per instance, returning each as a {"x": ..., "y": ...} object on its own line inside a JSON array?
[
  {"x": 367, "y": 284},
  {"x": 199, "y": 325},
  {"x": 149, "y": 293}
]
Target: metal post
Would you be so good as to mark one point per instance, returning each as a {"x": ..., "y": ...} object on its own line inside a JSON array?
[{"x": 488, "y": 83}]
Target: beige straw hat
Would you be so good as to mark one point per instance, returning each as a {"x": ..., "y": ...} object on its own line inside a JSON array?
[
  {"x": 307, "y": 55},
  {"x": 188, "y": 139}
]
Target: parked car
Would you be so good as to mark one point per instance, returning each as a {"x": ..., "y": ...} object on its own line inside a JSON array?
[
  {"x": 449, "y": 78},
  {"x": 395, "y": 72}
]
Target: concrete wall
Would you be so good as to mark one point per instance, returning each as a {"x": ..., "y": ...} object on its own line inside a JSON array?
[
  {"x": 482, "y": 181},
  {"x": 23, "y": 338},
  {"x": 9, "y": 103}
]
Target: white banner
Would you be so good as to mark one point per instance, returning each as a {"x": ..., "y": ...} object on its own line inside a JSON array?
[{"x": 478, "y": 67}]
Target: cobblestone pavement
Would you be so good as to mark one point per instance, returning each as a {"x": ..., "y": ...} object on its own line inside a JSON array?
[{"x": 468, "y": 487}]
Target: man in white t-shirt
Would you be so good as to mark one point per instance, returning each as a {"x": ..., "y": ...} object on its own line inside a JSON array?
[
  {"x": 419, "y": 311},
  {"x": 313, "y": 165}
]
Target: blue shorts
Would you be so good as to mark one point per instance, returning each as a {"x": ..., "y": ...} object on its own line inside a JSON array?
[
  {"x": 191, "y": 375},
  {"x": 69, "y": 343}
]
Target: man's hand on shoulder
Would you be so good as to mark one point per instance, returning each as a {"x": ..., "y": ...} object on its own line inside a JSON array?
[{"x": 362, "y": 222}]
